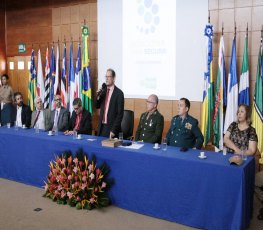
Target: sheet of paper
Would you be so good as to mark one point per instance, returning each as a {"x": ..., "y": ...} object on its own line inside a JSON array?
[{"x": 133, "y": 146}]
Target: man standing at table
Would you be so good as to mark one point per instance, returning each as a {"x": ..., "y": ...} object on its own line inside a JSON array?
[
  {"x": 80, "y": 120},
  {"x": 59, "y": 116},
  {"x": 22, "y": 112},
  {"x": 184, "y": 131},
  {"x": 150, "y": 128},
  {"x": 40, "y": 117},
  {"x": 110, "y": 100}
]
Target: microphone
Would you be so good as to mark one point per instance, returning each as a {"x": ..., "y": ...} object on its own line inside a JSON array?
[{"x": 102, "y": 90}]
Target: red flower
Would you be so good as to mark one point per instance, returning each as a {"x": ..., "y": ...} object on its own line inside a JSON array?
[
  {"x": 68, "y": 171},
  {"x": 98, "y": 172},
  {"x": 53, "y": 179}
]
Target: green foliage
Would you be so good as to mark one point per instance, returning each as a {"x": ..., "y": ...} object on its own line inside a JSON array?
[{"x": 78, "y": 182}]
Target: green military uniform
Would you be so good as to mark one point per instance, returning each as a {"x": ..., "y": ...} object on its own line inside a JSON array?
[
  {"x": 150, "y": 130},
  {"x": 185, "y": 133}
]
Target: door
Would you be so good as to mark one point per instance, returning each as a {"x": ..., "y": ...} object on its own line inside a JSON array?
[{"x": 18, "y": 72}]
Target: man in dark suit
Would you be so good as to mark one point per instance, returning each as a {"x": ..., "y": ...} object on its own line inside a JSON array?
[
  {"x": 80, "y": 120},
  {"x": 150, "y": 128},
  {"x": 111, "y": 103},
  {"x": 59, "y": 116},
  {"x": 22, "y": 112},
  {"x": 184, "y": 130}
]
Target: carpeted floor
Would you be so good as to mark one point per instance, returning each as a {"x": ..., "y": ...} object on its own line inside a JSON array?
[{"x": 18, "y": 201}]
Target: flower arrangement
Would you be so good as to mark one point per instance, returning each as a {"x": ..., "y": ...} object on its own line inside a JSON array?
[{"x": 77, "y": 181}]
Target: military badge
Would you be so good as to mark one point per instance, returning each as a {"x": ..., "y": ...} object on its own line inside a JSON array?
[{"x": 188, "y": 125}]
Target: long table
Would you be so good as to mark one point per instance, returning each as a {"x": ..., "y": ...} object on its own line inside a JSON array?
[{"x": 176, "y": 186}]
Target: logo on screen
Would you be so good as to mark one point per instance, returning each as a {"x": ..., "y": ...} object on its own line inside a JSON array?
[{"x": 148, "y": 12}]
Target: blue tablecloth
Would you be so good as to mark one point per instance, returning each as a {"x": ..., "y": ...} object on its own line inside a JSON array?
[{"x": 203, "y": 193}]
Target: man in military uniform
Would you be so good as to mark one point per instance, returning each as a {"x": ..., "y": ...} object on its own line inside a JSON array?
[
  {"x": 150, "y": 128},
  {"x": 184, "y": 131}
]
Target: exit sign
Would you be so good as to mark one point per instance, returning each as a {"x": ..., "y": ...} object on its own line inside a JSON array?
[{"x": 21, "y": 48}]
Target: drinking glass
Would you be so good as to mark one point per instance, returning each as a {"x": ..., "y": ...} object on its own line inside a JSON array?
[
  {"x": 224, "y": 150},
  {"x": 16, "y": 125},
  {"x": 121, "y": 136},
  {"x": 75, "y": 134},
  {"x": 8, "y": 125},
  {"x": 243, "y": 152},
  {"x": 36, "y": 128},
  {"x": 164, "y": 144},
  {"x": 55, "y": 130}
]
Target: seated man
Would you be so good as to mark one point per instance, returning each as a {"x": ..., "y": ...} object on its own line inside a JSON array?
[
  {"x": 59, "y": 116},
  {"x": 150, "y": 128},
  {"x": 80, "y": 120},
  {"x": 22, "y": 112},
  {"x": 184, "y": 131},
  {"x": 40, "y": 117}
]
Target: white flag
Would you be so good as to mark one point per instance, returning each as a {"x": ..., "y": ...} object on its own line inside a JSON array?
[
  {"x": 57, "y": 73},
  {"x": 40, "y": 78}
]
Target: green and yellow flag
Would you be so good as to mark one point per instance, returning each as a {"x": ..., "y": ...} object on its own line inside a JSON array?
[
  {"x": 32, "y": 82},
  {"x": 208, "y": 91},
  {"x": 257, "y": 112},
  {"x": 86, "y": 85}
]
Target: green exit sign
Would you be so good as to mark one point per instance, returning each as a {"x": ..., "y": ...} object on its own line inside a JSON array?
[{"x": 21, "y": 48}]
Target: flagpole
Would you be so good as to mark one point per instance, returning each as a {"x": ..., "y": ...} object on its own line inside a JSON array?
[
  {"x": 235, "y": 29},
  {"x": 247, "y": 30},
  {"x": 261, "y": 33}
]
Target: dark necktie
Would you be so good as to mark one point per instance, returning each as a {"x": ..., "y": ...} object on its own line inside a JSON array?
[
  {"x": 105, "y": 106},
  {"x": 36, "y": 118},
  {"x": 56, "y": 119}
]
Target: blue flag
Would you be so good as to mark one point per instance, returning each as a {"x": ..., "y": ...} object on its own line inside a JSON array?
[{"x": 232, "y": 90}]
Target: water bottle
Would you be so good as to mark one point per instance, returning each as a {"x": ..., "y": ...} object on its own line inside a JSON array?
[{"x": 164, "y": 144}]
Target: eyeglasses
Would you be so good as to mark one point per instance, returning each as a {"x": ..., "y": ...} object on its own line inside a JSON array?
[
  {"x": 152, "y": 102},
  {"x": 76, "y": 108},
  {"x": 58, "y": 99}
]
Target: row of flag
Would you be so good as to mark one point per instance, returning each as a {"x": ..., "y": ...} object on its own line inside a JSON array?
[
  {"x": 220, "y": 102},
  {"x": 70, "y": 83}
]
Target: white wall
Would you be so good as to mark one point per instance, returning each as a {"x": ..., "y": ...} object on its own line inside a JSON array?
[{"x": 155, "y": 46}]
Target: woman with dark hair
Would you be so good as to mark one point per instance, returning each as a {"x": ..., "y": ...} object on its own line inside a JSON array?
[
  {"x": 241, "y": 135},
  {"x": 6, "y": 100}
]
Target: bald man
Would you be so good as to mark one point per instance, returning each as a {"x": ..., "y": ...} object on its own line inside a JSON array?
[{"x": 150, "y": 128}]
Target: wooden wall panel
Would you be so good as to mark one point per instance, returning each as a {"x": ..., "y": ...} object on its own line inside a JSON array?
[
  {"x": 2, "y": 42},
  {"x": 40, "y": 23}
]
